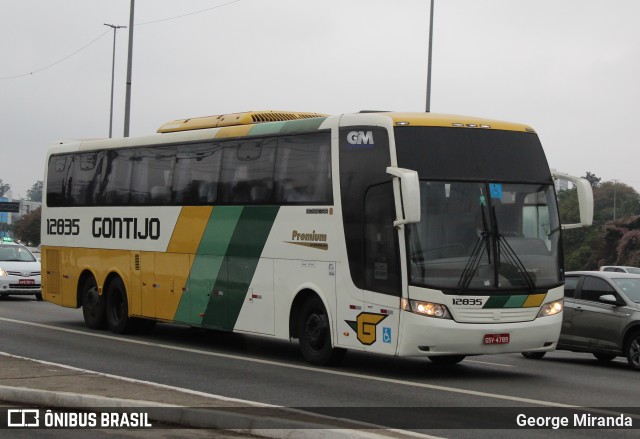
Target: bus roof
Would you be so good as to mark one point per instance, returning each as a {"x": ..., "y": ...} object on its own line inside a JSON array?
[
  {"x": 452, "y": 120},
  {"x": 240, "y": 124},
  {"x": 399, "y": 119},
  {"x": 234, "y": 119}
]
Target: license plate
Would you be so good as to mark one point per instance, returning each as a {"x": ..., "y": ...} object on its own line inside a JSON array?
[
  {"x": 26, "y": 282},
  {"x": 496, "y": 338}
]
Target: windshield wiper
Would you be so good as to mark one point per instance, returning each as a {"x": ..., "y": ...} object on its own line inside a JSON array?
[
  {"x": 510, "y": 255},
  {"x": 476, "y": 255}
]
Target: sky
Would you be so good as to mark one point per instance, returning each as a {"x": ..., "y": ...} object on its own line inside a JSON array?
[{"x": 568, "y": 68}]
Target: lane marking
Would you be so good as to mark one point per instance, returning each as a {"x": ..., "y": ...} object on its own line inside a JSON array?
[
  {"x": 491, "y": 364},
  {"x": 313, "y": 369},
  {"x": 364, "y": 425}
]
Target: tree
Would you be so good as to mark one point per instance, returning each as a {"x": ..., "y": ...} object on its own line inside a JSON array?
[
  {"x": 27, "y": 228},
  {"x": 627, "y": 201},
  {"x": 591, "y": 178},
  {"x": 35, "y": 193},
  {"x": 606, "y": 242},
  {"x": 4, "y": 188}
]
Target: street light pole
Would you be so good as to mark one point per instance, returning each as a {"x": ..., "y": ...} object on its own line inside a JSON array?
[
  {"x": 614, "y": 199},
  {"x": 113, "y": 68},
  {"x": 429, "y": 66},
  {"x": 127, "y": 104}
]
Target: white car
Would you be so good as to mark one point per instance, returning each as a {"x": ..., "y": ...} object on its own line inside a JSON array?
[
  {"x": 620, "y": 269},
  {"x": 19, "y": 271}
]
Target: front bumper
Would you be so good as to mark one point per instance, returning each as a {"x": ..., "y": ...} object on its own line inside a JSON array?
[
  {"x": 428, "y": 336},
  {"x": 11, "y": 285}
]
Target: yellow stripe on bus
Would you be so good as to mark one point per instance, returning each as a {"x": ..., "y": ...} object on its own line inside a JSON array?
[
  {"x": 189, "y": 229},
  {"x": 534, "y": 300},
  {"x": 237, "y": 131}
]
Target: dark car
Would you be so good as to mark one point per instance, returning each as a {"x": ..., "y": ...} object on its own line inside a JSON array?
[{"x": 601, "y": 316}]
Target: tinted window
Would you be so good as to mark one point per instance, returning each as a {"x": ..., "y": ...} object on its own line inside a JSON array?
[
  {"x": 247, "y": 172},
  {"x": 84, "y": 181},
  {"x": 381, "y": 264},
  {"x": 117, "y": 182},
  {"x": 57, "y": 175},
  {"x": 197, "y": 174},
  {"x": 593, "y": 288},
  {"x": 303, "y": 170},
  {"x": 363, "y": 164},
  {"x": 292, "y": 169},
  {"x": 152, "y": 174},
  {"x": 463, "y": 154},
  {"x": 570, "y": 284}
]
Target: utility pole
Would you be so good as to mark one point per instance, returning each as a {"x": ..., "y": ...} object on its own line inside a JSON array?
[
  {"x": 127, "y": 104},
  {"x": 429, "y": 66},
  {"x": 113, "y": 67},
  {"x": 614, "y": 198}
]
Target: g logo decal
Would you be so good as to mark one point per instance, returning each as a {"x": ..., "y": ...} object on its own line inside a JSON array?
[{"x": 365, "y": 326}]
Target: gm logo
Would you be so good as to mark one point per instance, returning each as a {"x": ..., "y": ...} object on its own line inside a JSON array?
[{"x": 360, "y": 138}]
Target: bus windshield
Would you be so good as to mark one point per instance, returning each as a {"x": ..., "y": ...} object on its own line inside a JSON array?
[{"x": 476, "y": 236}]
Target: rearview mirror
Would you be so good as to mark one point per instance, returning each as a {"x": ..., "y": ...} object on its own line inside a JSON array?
[
  {"x": 410, "y": 191},
  {"x": 585, "y": 199},
  {"x": 609, "y": 298}
]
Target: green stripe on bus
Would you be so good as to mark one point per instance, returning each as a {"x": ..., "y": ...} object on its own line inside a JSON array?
[
  {"x": 516, "y": 301},
  {"x": 303, "y": 125},
  {"x": 496, "y": 302},
  {"x": 239, "y": 266},
  {"x": 262, "y": 129},
  {"x": 206, "y": 265}
]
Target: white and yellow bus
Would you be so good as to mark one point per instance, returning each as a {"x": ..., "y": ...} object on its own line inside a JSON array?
[{"x": 408, "y": 234}]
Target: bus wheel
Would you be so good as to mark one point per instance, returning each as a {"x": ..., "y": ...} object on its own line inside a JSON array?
[
  {"x": 38, "y": 297},
  {"x": 632, "y": 349},
  {"x": 446, "y": 360},
  {"x": 315, "y": 334},
  {"x": 117, "y": 308},
  {"x": 93, "y": 305}
]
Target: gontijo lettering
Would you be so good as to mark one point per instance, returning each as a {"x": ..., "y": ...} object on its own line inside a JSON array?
[{"x": 125, "y": 228}]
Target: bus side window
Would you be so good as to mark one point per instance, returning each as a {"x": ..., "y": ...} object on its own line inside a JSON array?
[
  {"x": 303, "y": 170},
  {"x": 152, "y": 175},
  {"x": 56, "y": 179},
  {"x": 247, "y": 172},
  {"x": 82, "y": 183},
  {"x": 197, "y": 174},
  {"x": 117, "y": 183}
]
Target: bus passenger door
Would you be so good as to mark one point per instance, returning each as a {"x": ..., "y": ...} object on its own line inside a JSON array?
[{"x": 382, "y": 275}]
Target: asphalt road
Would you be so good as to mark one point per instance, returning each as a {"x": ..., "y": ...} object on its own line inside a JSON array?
[{"x": 408, "y": 393}]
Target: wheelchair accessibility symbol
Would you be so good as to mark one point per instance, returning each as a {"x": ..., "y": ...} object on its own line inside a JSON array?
[{"x": 386, "y": 335}]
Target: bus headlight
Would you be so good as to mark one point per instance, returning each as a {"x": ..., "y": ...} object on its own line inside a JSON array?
[
  {"x": 551, "y": 308},
  {"x": 428, "y": 309},
  {"x": 3, "y": 273}
]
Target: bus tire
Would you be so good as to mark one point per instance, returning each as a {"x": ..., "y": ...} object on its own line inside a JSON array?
[
  {"x": 314, "y": 334},
  {"x": 632, "y": 350},
  {"x": 38, "y": 297},
  {"x": 117, "y": 308},
  {"x": 446, "y": 360},
  {"x": 93, "y": 305}
]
